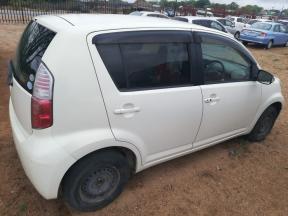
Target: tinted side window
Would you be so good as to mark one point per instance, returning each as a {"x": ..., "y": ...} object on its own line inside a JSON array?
[
  {"x": 222, "y": 21},
  {"x": 240, "y": 20},
  {"x": 111, "y": 56},
  {"x": 283, "y": 29},
  {"x": 156, "y": 65},
  {"x": 228, "y": 23},
  {"x": 216, "y": 26},
  {"x": 223, "y": 63},
  {"x": 146, "y": 65},
  {"x": 200, "y": 22}
]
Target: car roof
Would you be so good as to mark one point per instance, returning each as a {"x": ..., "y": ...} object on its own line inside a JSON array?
[
  {"x": 190, "y": 18},
  {"x": 149, "y": 12},
  {"x": 101, "y": 22}
]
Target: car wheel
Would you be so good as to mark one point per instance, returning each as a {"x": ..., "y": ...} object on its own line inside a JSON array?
[
  {"x": 95, "y": 180},
  {"x": 237, "y": 35},
  {"x": 269, "y": 45},
  {"x": 264, "y": 124},
  {"x": 245, "y": 43},
  {"x": 286, "y": 44}
]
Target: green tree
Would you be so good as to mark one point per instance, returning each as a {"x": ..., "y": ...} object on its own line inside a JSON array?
[
  {"x": 251, "y": 9},
  {"x": 233, "y": 6},
  {"x": 163, "y": 3},
  {"x": 202, "y": 3}
]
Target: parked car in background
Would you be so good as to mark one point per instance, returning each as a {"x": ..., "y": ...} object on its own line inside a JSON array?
[
  {"x": 203, "y": 13},
  {"x": 169, "y": 12},
  {"x": 252, "y": 21},
  {"x": 265, "y": 33},
  {"x": 149, "y": 14},
  {"x": 229, "y": 25},
  {"x": 209, "y": 22},
  {"x": 135, "y": 93},
  {"x": 284, "y": 22},
  {"x": 239, "y": 25}
]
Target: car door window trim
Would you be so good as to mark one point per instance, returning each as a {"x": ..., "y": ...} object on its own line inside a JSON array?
[
  {"x": 246, "y": 55},
  {"x": 145, "y": 37}
]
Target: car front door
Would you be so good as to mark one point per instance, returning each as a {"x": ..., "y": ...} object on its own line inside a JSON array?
[
  {"x": 148, "y": 90},
  {"x": 230, "y": 96}
]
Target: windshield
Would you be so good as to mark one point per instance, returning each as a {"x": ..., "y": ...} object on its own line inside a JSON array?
[{"x": 262, "y": 26}]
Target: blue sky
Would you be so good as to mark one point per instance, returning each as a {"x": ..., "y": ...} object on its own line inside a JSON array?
[{"x": 267, "y": 4}]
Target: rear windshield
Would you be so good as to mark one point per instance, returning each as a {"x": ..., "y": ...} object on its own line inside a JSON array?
[
  {"x": 31, "y": 48},
  {"x": 262, "y": 26}
]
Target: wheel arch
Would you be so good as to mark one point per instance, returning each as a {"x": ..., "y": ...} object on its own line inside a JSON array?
[
  {"x": 132, "y": 156},
  {"x": 278, "y": 104}
]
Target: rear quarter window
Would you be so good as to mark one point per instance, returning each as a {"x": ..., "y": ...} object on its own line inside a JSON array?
[{"x": 32, "y": 46}]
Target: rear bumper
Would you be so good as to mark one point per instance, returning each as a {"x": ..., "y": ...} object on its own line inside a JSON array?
[
  {"x": 43, "y": 160},
  {"x": 251, "y": 39}
]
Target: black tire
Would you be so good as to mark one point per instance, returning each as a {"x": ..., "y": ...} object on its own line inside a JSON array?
[
  {"x": 269, "y": 45},
  {"x": 286, "y": 44},
  {"x": 237, "y": 35},
  {"x": 264, "y": 124},
  {"x": 96, "y": 180},
  {"x": 245, "y": 43}
]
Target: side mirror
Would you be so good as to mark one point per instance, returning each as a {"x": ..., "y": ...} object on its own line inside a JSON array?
[
  {"x": 265, "y": 77},
  {"x": 233, "y": 25}
]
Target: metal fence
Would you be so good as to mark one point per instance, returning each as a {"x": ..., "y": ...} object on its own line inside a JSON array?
[{"x": 22, "y": 11}]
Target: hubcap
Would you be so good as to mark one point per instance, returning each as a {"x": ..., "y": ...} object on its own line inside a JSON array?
[{"x": 100, "y": 184}]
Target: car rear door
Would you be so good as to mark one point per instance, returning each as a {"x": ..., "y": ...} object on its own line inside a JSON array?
[
  {"x": 230, "y": 96},
  {"x": 149, "y": 92}
]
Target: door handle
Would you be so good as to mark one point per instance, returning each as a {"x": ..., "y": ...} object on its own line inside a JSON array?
[
  {"x": 211, "y": 99},
  {"x": 215, "y": 99},
  {"x": 207, "y": 100},
  {"x": 127, "y": 110}
]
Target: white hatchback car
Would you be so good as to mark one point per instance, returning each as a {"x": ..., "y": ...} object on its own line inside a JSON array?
[
  {"x": 93, "y": 100},
  {"x": 239, "y": 23}
]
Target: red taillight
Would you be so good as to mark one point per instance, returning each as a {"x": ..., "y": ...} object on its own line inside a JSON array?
[
  {"x": 42, "y": 113},
  {"x": 42, "y": 99},
  {"x": 263, "y": 34}
]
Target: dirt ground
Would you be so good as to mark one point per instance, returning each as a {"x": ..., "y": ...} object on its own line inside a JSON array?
[{"x": 232, "y": 178}]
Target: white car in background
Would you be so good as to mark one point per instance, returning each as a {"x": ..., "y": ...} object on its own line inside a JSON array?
[
  {"x": 149, "y": 14},
  {"x": 239, "y": 25},
  {"x": 209, "y": 22},
  {"x": 203, "y": 13}
]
